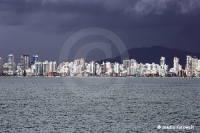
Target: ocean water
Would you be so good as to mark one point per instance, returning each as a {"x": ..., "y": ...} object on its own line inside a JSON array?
[{"x": 108, "y": 105}]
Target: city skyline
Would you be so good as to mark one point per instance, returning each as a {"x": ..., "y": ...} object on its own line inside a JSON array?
[{"x": 79, "y": 67}]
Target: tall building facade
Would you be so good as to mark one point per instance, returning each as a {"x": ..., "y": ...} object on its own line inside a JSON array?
[
  {"x": 126, "y": 63},
  {"x": 198, "y": 68},
  {"x": 38, "y": 68},
  {"x": 162, "y": 61},
  {"x": 116, "y": 68},
  {"x": 45, "y": 68},
  {"x": 11, "y": 64},
  {"x": 52, "y": 66},
  {"x": 77, "y": 62},
  {"x": 192, "y": 66},
  {"x": 194, "y": 63},
  {"x": 176, "y": 64},
  {"x": 35, "y": 59},
  {"x": 82, "y": 63},
  {"x": 188, "y": 62},
  {"x": 92, "y": 68},
  {"x": 103, "y": 68},
  {"x": 5, "y": 68},
  {"x": 25, "y": 61}
]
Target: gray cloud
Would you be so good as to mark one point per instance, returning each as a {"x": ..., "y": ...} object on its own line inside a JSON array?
[
  {"x": 188, "y": 5},
  {"x": 145, "y": 7},
  {"x": 61, "y": 16},
  {"x": 90, "y": 12},
  {"x": 149, "y": 6}
]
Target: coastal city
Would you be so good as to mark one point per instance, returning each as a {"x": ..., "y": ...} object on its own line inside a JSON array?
[{"x": 81, "y": 68}]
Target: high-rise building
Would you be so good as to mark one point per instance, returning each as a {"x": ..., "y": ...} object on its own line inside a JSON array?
[
  {"x": 35, "y": 59},
  {"x": 1, "y": 65},
  {"x": 11, "y": 64},
  {"x": 179, "y": 67},
  {"x": 103, "y": 68},
  {"x": 162, "y": 61},
  {"x": 5, "y": 68},
  {"x": 194, "y": 63},
  {"x": 82, "y": 63},
  {"x": 188, "y": 66},
  {"x": 98, "y": 69},
  {"x": 148, "y": 66},
  {"x": 38, "y": 68},
  {"x": 25, "y": 61},
  {"x": 92, "y": 68},
  {"x": 176, "y": 64},
  {"x": 133, "y": 70},
  {"x": 133, "y": 61},
  {"x": 50, "y": 66},
  {"x": 77, "y": 62},
  {"x": 198, "y": 65},
  {"x": 45, "y": 67},
  {"x": 153, "y": 66},
  {"x": 116, "y": 68},
  {"x": 54, "y": 66},
  {"x": 126, "y": 63},
  {"x": 188, "y": 62},
  {"x": 74, "y": 69}
]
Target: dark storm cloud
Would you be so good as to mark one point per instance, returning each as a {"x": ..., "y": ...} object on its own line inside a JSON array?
[{"x": 63, "y": 15}]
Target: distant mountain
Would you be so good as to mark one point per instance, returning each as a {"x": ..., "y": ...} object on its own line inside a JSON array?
[{"x": 153, "y": 54}]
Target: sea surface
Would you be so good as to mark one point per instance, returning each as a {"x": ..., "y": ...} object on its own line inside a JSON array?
[{"x": 99, "y": 105}]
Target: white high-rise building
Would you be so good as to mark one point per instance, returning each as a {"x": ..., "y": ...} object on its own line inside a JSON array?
[
  {"x": 162, "y": 61},
  {"x": 54, "y": 66},
  {"x": 198, "y": 65},
  {"x": 194, "y": 63},
  {"x": 1, "y": 65},
  {"x": 74, "y": 69},
  {"x": 98, "y": 69},
  {"x": 153, "y": 66},
  {"x": 148, "y": 66},
  {"x": 189, "y": 65},
  {"x": 133, "y": 61},
  {"x": 38, "y": 68},
  {"x": 77, "y": 62},
  {"x": 82, "y": 63},
  {"x": 50, "y": 66},
  {"x": 179, "y": 67},
  {"x": 133, "y": 70},
  {"x": 11, "y": 64},
  {"x": 5, "y": 68},
  {"x": 116, "y": 68},
  {"x": 45, "y": 67},
  {"x": 176, "y": 64},
  {"x": 92, "y": 68}
]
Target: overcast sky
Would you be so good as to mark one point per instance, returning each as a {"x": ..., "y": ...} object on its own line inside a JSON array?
[{"x": 42, "y": 26}]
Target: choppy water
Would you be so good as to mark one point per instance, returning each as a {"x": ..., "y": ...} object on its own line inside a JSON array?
[{"x": 98, "y": 104}]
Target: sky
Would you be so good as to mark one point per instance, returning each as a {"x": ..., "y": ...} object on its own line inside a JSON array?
[{"x": 44, "y": 27}]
